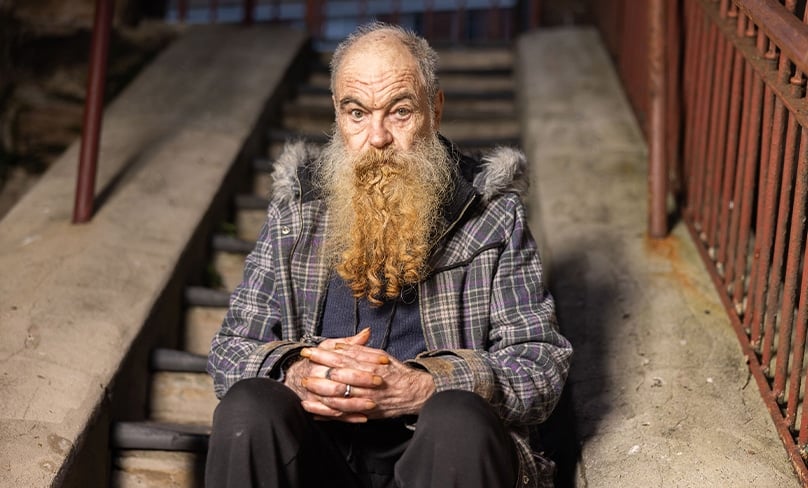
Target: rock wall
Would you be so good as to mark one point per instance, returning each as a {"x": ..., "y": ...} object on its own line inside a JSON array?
[{"x": 44, "y": 52}]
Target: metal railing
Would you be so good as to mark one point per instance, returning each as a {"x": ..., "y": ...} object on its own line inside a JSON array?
[
  {"x": 745, "y": 176},
  {"x": 718, "y": 87},
  {"x": 455, "y": 20}
]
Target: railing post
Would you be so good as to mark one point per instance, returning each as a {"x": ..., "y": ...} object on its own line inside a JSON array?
[
  {"x": 314, "y": 17},
  {"x": 249, "y": 12},
  {"x": 657, "y": 165},
  {"x": 93, "y": 110},
  {"x": 182, "y": 10}
]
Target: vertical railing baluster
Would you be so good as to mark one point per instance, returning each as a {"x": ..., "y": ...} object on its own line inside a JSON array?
[
  {"x": 93, "y": 112},
  {"x": 658, "y": 168},
  {"x": 182, "y": 10},
  {"x": 702, "y": 121},
  {"x": 766, "y": 51},
  {"x": 494, "y": 22},
  {"x": 718, "y": 126},
  {"x": 691, "y": 71},
  {"x": 795, "y": 245},
  {"x": 429, "y": 19},
  {"x": 731, "y": 160},
  {"x": 249, "y": 12},
  {"x": 737, "y": 192},
  {"x": 314, "y": 20},
  {"x": 748, "y": 160},
  {"x": 802, "y": 320}
]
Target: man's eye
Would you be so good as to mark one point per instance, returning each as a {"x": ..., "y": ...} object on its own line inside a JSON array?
[
  {"x": 403, "y": 112},
  {"x": 356, "y": 114}
]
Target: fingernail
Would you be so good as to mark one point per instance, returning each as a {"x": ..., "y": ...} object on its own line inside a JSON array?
[
  {"x": 384, "y": 360},
  {"x": 340, "y": 345},
  {"x": 377, "y": 380},
  {"x": 303, "y": 381},
  {"x": 305, "y": 352},
  {"x": 366, "y": 330},
  {"x": 370, "y": 405}
]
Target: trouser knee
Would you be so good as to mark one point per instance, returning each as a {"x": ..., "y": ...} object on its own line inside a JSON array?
[
  {"x": 449, "y": 413},
  {"x": 256, "y": 403}
]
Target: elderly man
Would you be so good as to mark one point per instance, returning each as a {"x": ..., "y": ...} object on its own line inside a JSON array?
[{"x": 392, "y": 328}]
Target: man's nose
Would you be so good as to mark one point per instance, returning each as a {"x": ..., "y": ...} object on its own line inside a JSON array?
[{"x": 380, "y": 135}]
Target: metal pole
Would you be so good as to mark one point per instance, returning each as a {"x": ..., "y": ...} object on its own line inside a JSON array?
[
  {"x": 314, "y": 20},
  {"x": 657, "y": 168},
  {"x": 93, "y": 109},
  {"x": 182, "y": 10},
  {"x": 249, "y": 12}
]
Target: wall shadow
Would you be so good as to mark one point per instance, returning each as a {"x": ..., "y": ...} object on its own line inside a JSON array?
[{"x": 587, "y": 301}]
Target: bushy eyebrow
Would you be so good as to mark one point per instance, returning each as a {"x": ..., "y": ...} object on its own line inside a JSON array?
[{"x": 404, "y": 96}]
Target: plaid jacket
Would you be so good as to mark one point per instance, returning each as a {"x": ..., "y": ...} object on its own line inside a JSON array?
[{"x": 488, "y": 320}]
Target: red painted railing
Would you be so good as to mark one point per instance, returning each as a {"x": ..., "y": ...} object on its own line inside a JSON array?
[
  {"x": 745, "y": 169},
  {"x": 94, "y": 106},
  {"x": 739, "y": 170}
]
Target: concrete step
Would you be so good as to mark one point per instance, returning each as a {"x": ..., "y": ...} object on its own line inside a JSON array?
[
  {"x": 160, "y": 436},
  {"x": 262, "y": 174},
  {"x": 182, "y": 398},
  {"x": 166, "y": 359},
  {"x": 464, "y": 58},
  {"x": 449, "y": 82},
  {"x": 158, "y": 469},
  {"x": 250, "y": 215},
  {"x": 201, "y": 324},
  {"x": 230, "y": 268},
  {"x": 479, "y": 58}
]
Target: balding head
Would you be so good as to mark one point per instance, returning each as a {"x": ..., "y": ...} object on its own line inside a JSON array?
[{"x": 376, "y": 34}]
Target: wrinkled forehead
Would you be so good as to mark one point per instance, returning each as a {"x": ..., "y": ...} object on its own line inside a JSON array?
[{"x": 375, "y": 57}]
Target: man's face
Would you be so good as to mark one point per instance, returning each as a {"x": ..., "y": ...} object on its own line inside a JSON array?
[{"x": 379, "y": 97}]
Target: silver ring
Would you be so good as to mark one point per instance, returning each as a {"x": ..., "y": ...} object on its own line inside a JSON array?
[
  {"x": 347, "y": 391},
  {"x": 328, "y": 373}
]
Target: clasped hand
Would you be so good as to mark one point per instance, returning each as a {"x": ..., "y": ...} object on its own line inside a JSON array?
[{"x": 380, "y": 385}]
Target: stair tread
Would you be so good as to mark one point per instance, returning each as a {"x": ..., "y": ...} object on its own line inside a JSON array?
[
  {"x": 164, "y": 436},
  {"x": 206, "y": 297},
  {"x": 163, "y": 359}
]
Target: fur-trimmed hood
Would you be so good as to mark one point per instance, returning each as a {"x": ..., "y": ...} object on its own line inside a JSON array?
[{"x": 501, "y": 170}]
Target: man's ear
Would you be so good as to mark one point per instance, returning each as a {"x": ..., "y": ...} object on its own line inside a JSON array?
[{"x": 438, "y": 107}]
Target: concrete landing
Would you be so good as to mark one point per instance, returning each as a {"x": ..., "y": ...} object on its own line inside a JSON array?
[
  {"x": 660, "y": 392},
  {"x": 74, "y": 299}
]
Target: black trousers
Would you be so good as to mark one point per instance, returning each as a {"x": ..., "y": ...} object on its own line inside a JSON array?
[{"x": 262, "y": 437}]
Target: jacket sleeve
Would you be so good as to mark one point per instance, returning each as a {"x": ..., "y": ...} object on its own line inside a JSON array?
[
  {"x": 522, "y": 367},
  {"x": 249, "y": 341}
]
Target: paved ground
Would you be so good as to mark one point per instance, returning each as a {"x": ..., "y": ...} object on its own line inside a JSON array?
[{"x": 660, "y": 392}]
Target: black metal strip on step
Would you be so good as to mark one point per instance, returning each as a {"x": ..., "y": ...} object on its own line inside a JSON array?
[
  {"x": 163, "y": 359},
  {"x": 228, "y": 243},
  {"x": 262, "y": 165},
  {"x": 251, "y": 202},
  {"x": 283, "y": 135},
  {"x": 159, "y": 436},
  {"x": 201, "y": 296}
]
